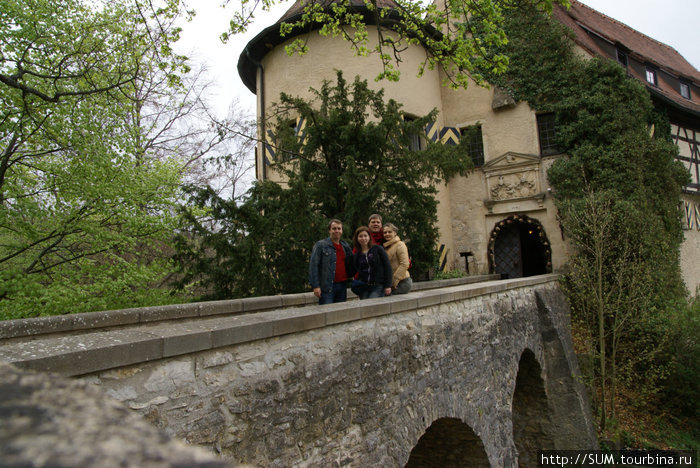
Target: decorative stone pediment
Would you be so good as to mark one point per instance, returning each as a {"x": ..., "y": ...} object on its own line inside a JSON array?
[
  {"x": 511, "y": 160},
  {"x": 513, "y": 176}
]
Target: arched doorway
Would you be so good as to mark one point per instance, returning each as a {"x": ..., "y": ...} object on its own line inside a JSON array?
[
  {"x": 448, "y": 443},
  {"x": 518, "y": 247}
]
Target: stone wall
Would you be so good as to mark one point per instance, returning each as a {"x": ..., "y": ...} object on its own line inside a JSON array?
[
  {"x": 51, "y": 421},
  {"x": 365, "y": 391}
]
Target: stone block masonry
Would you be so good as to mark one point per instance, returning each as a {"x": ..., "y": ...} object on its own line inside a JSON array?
[{"x": 53, "y": 421}]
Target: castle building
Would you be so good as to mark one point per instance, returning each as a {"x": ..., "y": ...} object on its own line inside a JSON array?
[{"x": 501, "y": 217}]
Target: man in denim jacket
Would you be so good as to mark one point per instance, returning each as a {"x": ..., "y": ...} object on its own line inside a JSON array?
[{"x": 330, "y": 266}]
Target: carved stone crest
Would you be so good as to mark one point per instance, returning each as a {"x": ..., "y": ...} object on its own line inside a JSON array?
[
  {"x": 513, "y": 176},
  {"x": 514, "y": 186}
]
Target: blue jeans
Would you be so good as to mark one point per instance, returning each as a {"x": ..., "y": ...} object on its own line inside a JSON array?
[
  {"x": 368, "y": 292},
  {"x": 339, "y": 293}
]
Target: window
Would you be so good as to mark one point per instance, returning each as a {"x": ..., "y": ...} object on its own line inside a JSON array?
[
  {"x": 416, "y": 142},
  {"x": 622, "y": 58},
  {"x": 285, "y": 145},
  {"x": 547, "y": 131},
  {"x": 473, "y": 138},
  {"x": 685, "y": 90},
  {"x": 651, "y": 76}
]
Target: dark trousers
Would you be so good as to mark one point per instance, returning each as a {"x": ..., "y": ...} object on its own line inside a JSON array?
[
  {"x": 367, "y": 291},
  {"x": 370, "y": 292},
  {"x": 339, "y": 293},
  {"x": 403, "y": 287}
]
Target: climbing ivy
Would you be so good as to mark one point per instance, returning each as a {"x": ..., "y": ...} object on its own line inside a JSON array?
[
  {"x": 616, "y": 191},
  {"x": 540, "y": 51}
]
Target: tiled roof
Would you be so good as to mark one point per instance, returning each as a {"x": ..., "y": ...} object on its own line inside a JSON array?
[{"x": 584, "y": 20}]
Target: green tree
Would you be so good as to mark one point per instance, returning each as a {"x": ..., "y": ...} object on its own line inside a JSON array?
[
  {"x": 617, "y": 193},
  {"x": 229, "y": 248},
  {"x": 355, "y": 159},
  {"x": 618, "y": 144},
  {"x": 605, "y": 126},
  {"x": 681, "y": 390},
  {"x": 608, "y": 282},
  {"x": 86, "y": 191}
]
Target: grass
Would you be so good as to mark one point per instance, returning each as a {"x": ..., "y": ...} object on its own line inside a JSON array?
[{"x": 441, "y": 275}]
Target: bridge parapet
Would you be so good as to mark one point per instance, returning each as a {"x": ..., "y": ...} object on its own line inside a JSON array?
[
  {"x": 126, "y": 337},
  {"x": 76, "y": 323}
]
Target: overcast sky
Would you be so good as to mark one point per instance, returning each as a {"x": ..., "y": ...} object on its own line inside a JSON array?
[{"x": 673, "y": 22}]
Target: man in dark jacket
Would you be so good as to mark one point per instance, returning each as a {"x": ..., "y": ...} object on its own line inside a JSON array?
[{"x": 331, "y": 266}]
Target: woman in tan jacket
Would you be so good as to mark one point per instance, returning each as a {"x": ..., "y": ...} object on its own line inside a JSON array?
[{"x": 398, "y": 257}]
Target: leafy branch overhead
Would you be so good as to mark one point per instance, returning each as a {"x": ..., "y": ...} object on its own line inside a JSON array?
[
  {"x": 459, "y": 36},
  {"x": 53, "y": 52}
]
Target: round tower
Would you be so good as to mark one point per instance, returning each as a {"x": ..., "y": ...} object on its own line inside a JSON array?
[{"x": 509, "y": 177}]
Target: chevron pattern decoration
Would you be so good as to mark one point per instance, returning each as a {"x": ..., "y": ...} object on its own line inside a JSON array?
[
  {"x": 442, "y": 253},
  {"x": 300, "y": 130},
  {"x": 269, "y": 154},
  {"x": 691, "y": 216},
  {"x": 432, "y": 132},
  {"x": 271, "y": 140},
  {"x": 449, "y": 136}
]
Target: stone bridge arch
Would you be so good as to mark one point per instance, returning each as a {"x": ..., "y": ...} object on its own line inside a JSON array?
[
  {"x": 531, "y": 419},
  {"x": 449, "y": 443}
]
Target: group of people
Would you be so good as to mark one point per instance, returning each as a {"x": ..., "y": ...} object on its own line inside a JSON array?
[{"x": 377, "y": 263}]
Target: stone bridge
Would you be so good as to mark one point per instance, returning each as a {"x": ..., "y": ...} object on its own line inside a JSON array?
[{"x": 476, "y": 374}]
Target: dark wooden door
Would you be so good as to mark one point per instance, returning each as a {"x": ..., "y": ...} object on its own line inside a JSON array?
[{"x": 508, "y": 252}]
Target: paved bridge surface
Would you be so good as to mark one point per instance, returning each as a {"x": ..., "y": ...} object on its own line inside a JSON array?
[{"x": 474, "y": 372}]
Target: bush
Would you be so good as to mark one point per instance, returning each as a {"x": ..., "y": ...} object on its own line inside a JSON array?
[{"x": 681, "y": 390}]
